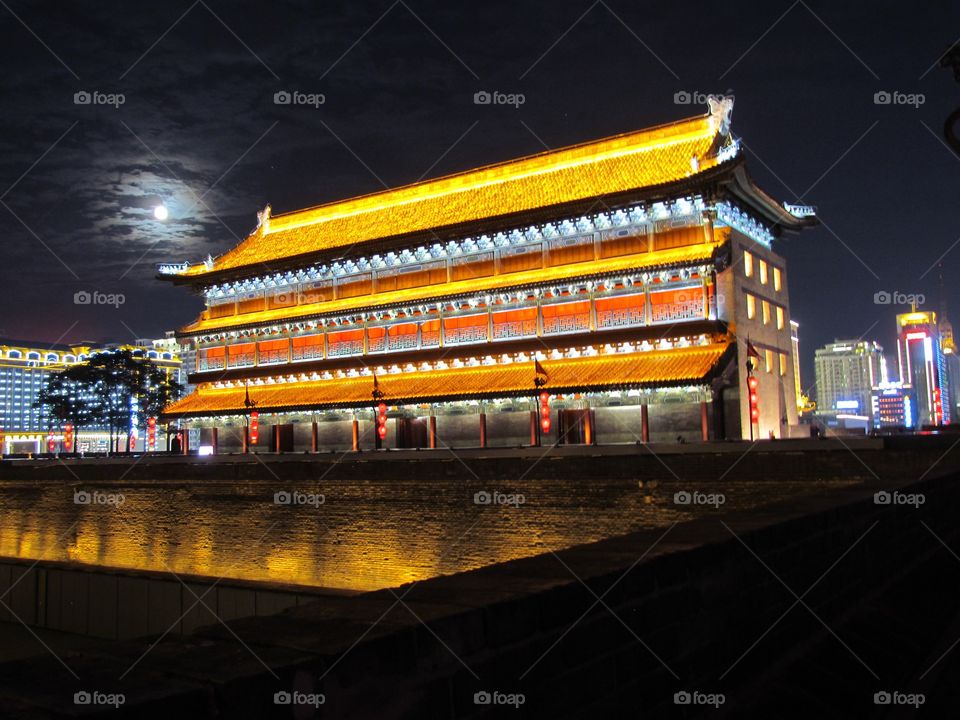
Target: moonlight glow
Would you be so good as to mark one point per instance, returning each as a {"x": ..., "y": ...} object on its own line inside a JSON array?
[{"x": 160, "y": 212}]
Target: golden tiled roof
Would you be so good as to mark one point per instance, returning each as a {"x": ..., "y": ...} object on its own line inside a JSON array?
[
  {"x": 644, "y": 158},
  {"x": 641, "y": 369},
  {"x": 701, "y": 252}
]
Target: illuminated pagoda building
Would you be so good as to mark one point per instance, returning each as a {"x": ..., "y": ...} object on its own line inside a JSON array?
[
  {"x": 627, "y": 274},
  {"x": 923, "y": 368}
]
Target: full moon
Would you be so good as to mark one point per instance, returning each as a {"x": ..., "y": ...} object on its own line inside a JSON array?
[{"x": 160, "y": 212}]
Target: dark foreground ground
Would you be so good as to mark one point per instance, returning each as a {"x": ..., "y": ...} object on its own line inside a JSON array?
[{"x": 824, "y": 605}]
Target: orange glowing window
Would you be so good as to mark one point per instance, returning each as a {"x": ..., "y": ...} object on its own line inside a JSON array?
[
  {"x": 470, "y": 328},
  {"x": 272, "y": 351},
  {"x": 777, "y": 279},
  {"x": 376, "y": 339},
  {"x": 308, "y": 341},
  {"x": 768, "y": 360},
  {"x": 514, "y": 323},
  {"x": 566, "y": 317},
  {"x": 623, "y": 310},
  {"x": 240, "y": 349},
  {"x": 345, "y": 336},
  {"x": 779, "y": 318},
  {"x": 465, "y": 321},
  {"x": 559, "y": 309},
  {"x": 430, "y": 333},
  {"x": 763, "y": 272},
  {"x": 272, "y": 345},
  {"x": 241, "y": 355},
  {"x": 676, "y": 296},
  {"x": 403, "y": 329},
  {"x": 307, "y": 347},
  {"x": 751, "y": 307},
  {"x": 747, "y": 263},
  {"x": 765, "y": 306}
]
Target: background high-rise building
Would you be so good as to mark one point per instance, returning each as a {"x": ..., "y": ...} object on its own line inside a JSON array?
[
  {"x": 25, "y": 367},
  {"x": 847, "y": 371},
  {"x": 923, "y": 366}
]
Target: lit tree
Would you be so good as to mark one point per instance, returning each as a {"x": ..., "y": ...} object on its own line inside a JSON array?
[{"x": 119, "y": 389}]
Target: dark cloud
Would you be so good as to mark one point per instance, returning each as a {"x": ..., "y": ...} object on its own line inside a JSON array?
[{"x": 199, "y": 130}]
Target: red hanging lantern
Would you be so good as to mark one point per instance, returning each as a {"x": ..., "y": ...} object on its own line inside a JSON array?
[
  {"x": 51, "y": 442},
  {"x": 68, "y": 438},
  {"x": 254, "y": 427},
  {"x": 753, "y": 384},
  {"x": 545, "y": 412},
  {"x": 382, "y": 421},
  {"x": 151, "y": 433}
]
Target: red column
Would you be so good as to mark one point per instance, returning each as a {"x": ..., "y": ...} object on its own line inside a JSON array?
[
  {"x": 704, "y": 425},
  {"x": 276, "y": 438},
  {"x": 186, "y": 440},
  {"x": 588, "y": 437},
  {"x": 533, "y": 428},
  {"x": 644, "y": 424},
  {"x": 355, "y": 434},
  {"x": 314, "y": 439},
  {"x": 432, "y": 436},
  {"x": 246, "y": 439},
  {"x": 215, "y": 441},
  {"x": 483, "y": 430}
]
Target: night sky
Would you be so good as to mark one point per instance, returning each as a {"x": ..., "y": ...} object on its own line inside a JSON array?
[{"x": 199, "y": 131}]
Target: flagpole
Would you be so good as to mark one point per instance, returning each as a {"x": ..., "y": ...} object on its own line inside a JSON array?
[
  {"x": 377, "y": 399},
  {"x": 538, "y": 383}
]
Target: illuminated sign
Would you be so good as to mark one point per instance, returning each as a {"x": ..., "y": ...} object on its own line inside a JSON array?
[{"x": 848, "y": 405}]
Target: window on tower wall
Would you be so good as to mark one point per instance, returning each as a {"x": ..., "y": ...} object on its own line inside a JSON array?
[
  {"x": 777, "y": 279},
  {"x": 763, "y": 272},
  {"x": 751, "y": 307},
  {"x": 747, "y": 264},
  {"x": 768, "y": 360},
  {"x": 766, "y": 312},
  {"x": 779, "y": 318},
  {"x": 784, "y": 359}
]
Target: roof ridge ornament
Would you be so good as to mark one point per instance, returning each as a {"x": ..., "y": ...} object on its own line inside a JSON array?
[
  {"x": 263, "y": 220},
  {"x": 721, "y": 112}
]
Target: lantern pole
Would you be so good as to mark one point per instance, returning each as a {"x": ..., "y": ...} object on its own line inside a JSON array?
[
  {"x": 250, "y": 405},
  {"x": 377, "y": 395},
  {"x": 538, "y": 382}
]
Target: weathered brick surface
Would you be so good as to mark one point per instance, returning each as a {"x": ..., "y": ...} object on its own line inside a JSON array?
[{"x": 698, "y": 601}]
